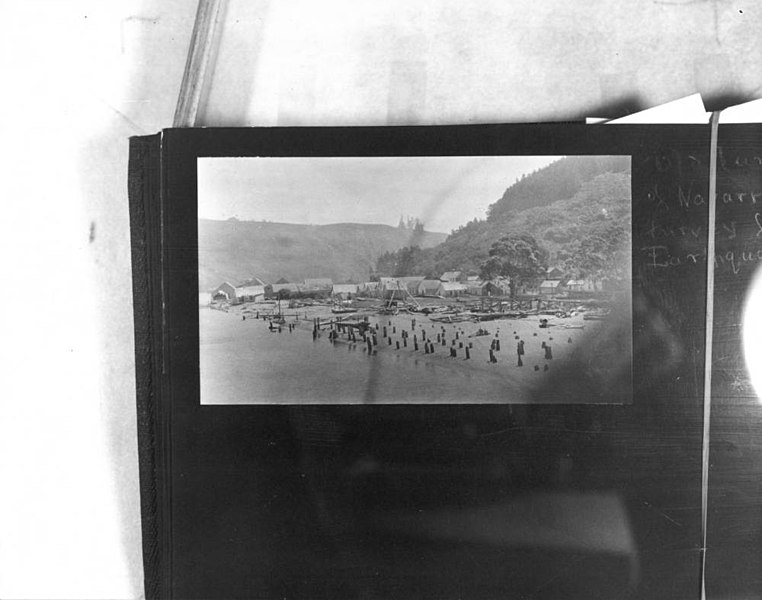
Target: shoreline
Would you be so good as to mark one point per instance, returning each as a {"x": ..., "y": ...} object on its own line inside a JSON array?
[{"x": 450, "y": 380}]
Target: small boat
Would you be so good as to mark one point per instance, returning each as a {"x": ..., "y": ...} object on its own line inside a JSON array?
[
  {"x": 479, "y": 333},
  {"x": 487, "y": 316},
  {"x": 451, "y": 318}
]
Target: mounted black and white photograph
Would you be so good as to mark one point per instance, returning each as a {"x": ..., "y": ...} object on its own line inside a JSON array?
[{"x": 428, "y": 280}]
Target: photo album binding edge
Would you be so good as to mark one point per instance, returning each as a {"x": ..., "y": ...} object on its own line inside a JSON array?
[{"x": 144, "y": 191}]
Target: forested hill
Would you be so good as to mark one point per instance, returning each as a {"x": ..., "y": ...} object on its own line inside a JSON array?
[
  {"x": 236, "y": 250},
  {"x": 565, "y": 206},
  {"x": 560, "y": 180}
]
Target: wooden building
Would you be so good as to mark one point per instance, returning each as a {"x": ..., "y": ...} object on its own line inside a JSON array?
[
  {"x": 344, "y": 291},
  {"x": 452, "y": 276},
  {"x": 429, "y": 287}
]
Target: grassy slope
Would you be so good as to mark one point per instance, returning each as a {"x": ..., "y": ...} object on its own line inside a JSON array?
[{"x": 237, "y": 250}]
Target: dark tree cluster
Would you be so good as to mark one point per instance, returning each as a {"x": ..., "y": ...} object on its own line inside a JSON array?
[{"x": 519, "y": 257}]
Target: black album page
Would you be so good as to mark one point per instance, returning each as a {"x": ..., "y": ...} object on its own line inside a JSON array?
[{"x": 438, "y": 362}]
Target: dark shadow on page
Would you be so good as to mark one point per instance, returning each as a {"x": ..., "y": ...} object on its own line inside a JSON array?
[
  {"x": 513, "y": 501},
  {"x": 616, "y": 106},
  {"x": 726, "y": 99}
]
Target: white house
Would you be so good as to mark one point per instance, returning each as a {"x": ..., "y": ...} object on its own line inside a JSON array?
[
  {"x": 550, "y": 287},
  {"x": 250, "y": 293},
  {"x": 580, "y": 285},
  {"x": 451, "y": 289},
  {"x": 224, "y": 291}
]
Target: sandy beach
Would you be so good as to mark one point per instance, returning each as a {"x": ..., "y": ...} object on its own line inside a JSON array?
[{"x": 243, "y": 361}]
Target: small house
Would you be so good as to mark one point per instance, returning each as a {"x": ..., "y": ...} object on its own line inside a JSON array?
[
  {"x": 369, "y": 288},
  {"x": 580, "y": 285},
  {"x": 224, "y": 292},
  {"x": 251, "y": 281},
  {"x": 320, "y": 286},
  {"x": 451, "y": 289},
  {"x": 391, "y": 287},
  {"x": 319, "y": 283},
  {"x": 550, "y": 287},
  {"x": 344, "y": 291},
  {"x": 411, "y": 283},
  {"x": 250, "y": 293},
  {"x": 528, "y": 288},
  {"x": 496, "y": 287},
  {"x": 429, "y": 287},
  {"x": 452, "y": 276}
]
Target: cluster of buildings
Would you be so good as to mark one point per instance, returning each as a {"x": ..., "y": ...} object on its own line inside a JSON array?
[
  {"x": 451, "y": 284},
  {"x": 556, "y": 283}
]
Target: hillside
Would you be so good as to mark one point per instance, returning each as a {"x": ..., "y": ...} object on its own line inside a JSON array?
[
  {"x": 235, "y": 250},
  {"x": 559, "y": 180},
  {"x": 563, "y": 206}
]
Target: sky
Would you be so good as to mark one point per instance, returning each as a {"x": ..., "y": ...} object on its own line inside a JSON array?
[{"x": 442, "y": 192}]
